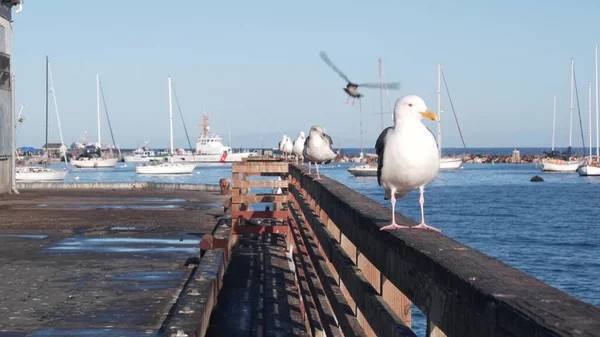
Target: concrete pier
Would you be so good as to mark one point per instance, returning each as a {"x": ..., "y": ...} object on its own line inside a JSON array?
[{"x": 97, "y": 262}]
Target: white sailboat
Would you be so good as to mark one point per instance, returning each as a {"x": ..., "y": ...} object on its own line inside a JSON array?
[
  {"x": 591, "y": 167},
  {"x": 169, "y": 167},
  {"x": 446, "y": 163},
  {"x": 95, "y": 162},
  {"x": 38, "y": 172},
  {"x": 553, "y": 164}
]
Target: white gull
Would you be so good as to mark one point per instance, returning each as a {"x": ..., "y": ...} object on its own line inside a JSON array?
[{"x": 408, "y": 157}]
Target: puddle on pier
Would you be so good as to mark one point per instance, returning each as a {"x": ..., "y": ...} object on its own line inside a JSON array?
[
  {"x": 25, "y": 236},
  {"x": 149, "y": 280},
  {"x": 128, "y": 229},
  {"x": 61, "y": 332},
  {"x": 149, "y": 276},
  {"x": 144, "y": 199},
  {"x": 81, "y": 244},
  {"x": 100, "y": 206}
]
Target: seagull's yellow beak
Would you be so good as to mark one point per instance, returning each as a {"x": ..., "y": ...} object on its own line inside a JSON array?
[{"x": 429, "y": 114}]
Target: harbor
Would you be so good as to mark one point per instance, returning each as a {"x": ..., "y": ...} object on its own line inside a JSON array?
[{"x": 346, "y": 171}]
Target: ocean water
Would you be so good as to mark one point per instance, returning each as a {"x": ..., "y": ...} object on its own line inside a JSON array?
[{"x": 548, "y": 230}]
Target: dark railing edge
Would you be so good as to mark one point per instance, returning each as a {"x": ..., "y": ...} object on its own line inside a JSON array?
[{"x": 468, "y": 283}]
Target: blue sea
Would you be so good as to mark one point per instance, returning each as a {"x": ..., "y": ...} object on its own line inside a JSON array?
[{"x": 548, "y": 230}]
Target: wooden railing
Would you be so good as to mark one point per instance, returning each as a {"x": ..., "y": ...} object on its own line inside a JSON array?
[
  {"x": 355, "y": 280},
  {"x": 369, "y": 277}
]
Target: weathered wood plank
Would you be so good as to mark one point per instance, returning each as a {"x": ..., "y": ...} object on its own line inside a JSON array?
[
  {"x": 259, "y": 167},
  {"x": 308, "y": 307},
  {"x": 260, "y": 229},
  {"x": 463, "y": 291},
  {"x": 261, "y": 184},
  {"x": 257, "y": 198},
  {"x": 322, "y": 293},
  {"x": 382, "y": 319},
  {"x": 260, "y": 214},
  {"x": 192, "y": 311}
]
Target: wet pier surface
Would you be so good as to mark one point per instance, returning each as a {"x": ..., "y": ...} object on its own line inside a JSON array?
[
  {"x": 97, "y": 263},
  {"x": 259, "y": 296}
]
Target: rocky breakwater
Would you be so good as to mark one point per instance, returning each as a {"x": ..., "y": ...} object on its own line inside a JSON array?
[{"x": 467, "y": 158}]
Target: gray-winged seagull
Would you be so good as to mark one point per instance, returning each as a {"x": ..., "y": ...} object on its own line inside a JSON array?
[
  {"x": 408, "y": 156},
  {"x": 318, "y": 148}
]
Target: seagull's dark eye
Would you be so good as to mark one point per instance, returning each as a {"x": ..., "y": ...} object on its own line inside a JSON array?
[{"x": 409, "y": 104}]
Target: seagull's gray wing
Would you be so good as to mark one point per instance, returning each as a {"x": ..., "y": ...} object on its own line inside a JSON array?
[
  {"x": 379, "y": 149},
  {"x": 306, "y": 143},
  {"x": 328, "y": 139}
]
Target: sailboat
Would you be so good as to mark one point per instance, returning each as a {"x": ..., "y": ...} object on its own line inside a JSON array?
[
  {"x": 559, "y": 162},
  {"x": 43, "y": 172},
  {"x": 168, "y": 167},
  {"x": 591, "y": 167},
  {"x": 95, "y": 160},
  {"x": 446, "y": 163}
]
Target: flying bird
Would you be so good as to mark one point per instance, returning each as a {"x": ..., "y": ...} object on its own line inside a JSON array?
[
  {"x": 408, "y": 156},
  {"x": 318, "y": 148},
  {"x": 352, "y": 88}
]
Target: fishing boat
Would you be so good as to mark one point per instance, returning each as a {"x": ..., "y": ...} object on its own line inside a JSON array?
[
  {"x": 556, "y": 161},
  {"x": 94, "y": 160},
  {"x": 43, "y": 173},
  {"x": 167, "y": 167},
  {"x": 141, "y": 155},
  {"x": 591, "y": 166}
]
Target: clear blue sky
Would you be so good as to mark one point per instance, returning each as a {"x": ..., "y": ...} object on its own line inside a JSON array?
[{"x": 254, "y": 66}]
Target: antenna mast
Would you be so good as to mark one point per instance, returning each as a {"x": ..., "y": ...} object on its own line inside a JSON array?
[{"x": 205, "y": 126}]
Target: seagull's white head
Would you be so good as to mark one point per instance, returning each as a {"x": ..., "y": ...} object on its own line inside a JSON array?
[
  {"x": 317, "y": 129},
  {"x": 412, "y": 106},
  {"x": 302, "y": 134}
]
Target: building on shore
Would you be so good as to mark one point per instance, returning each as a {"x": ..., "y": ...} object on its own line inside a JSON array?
[
  {"x": 55, "y": 150},
  {"x": 7, "y": 116}
]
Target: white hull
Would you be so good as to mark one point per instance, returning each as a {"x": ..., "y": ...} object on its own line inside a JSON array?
[
  {"x": 363, "y": 171},
  {"x": 450, "y": 163},
  {"x": 136, "y": 159},
  {"x": 588, "y": 170},
  {"x": 553, "y": 165},
  {"x": 211, "y": 158},
  {"x": 165, "y": 168},
  {"x": 95, "y": 163},
  {"x": 42, "y": 175}
]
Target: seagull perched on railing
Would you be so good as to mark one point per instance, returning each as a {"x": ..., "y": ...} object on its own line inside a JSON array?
[
  {"x": 318, "y": 148},
  {"x": 282, "y": 143},
  {"x": 288, "y": 146},
  {"x": 299, "y": 145},
  {"x": 408, "y": 157}
]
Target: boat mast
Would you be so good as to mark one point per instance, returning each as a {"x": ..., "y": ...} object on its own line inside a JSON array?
[
  {"x": 62, "y": 140},
  {"x": 439, "y": 110},
  {"x": 590, "y": 115},
  {"x": 553, "y": 120},
  {"x": 171, "y": 119},
  {"x": 381, "y": 93},
  {"x": 47, "y": 154},
  {"x": 597, "y": 130},
  {"x": 98, "y": 109},
  {"x": 571, "y": 107}
]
